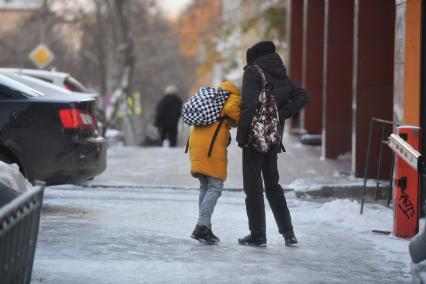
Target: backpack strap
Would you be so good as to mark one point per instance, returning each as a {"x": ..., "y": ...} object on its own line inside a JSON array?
[
  {"x": 187, "y": 145},
  {"x": 262, "y": 75},
  {"x": 282, "y": 147},
  {"x": 216, "y": 132}
]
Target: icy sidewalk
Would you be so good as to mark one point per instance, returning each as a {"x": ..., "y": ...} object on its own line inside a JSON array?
[
  {"x": 131, "y": 235},
  {"x": 169, "y": 167}
]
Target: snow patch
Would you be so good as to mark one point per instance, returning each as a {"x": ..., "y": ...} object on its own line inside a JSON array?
[
  {"x": 345, "y": 214},
  {"x": 339, "y": 211},
  {"x": 11, "y": 177},
  {"x": 317, "y": 183},
  {"x": 345, "y": 157}
]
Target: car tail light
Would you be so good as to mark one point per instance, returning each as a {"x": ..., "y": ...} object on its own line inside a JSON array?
[{"x": 74, "y": 118}]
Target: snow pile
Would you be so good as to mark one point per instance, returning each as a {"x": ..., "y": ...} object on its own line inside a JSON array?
[
  {"x": 11, "y": 178},
  {"x": 345, "y": 157},
  {"x": 345, "y": 215},
  {"x": 318, "y": 183},
  {"x": 114, "y": 137},
  {"x": 304, "y": 185}
]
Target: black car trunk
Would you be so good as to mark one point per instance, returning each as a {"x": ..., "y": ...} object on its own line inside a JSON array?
[
  {"x": 49, "y": 125},
  {"x": 53, "y": 138},
  {"x": 76, "y": 114}
]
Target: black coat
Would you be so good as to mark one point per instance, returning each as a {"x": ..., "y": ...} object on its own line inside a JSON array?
[
  {"x": 168, "y": 112},
  {"x": 290, "y": 98}
]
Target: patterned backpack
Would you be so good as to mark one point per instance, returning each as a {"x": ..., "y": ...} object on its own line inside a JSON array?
[
  {"x": 204, "y": 107},
  {"x": 264, "y": 132}
]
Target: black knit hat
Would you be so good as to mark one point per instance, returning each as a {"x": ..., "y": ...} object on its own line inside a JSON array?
[{"x": 259, "y": 49}]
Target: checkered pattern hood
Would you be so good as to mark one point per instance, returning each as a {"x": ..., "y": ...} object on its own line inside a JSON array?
[{"x": 204, "y": 107}]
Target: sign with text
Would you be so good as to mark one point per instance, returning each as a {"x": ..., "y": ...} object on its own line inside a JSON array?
[{"x": 406, "y": 189}]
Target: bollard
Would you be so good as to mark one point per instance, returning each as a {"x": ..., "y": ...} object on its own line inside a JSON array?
[{"x": 406, "y": 188}]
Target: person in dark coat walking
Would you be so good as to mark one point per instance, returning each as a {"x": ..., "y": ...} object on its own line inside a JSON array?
[
  {"x": 290, "y": 100},
  {"x": 167, "y": 115}
]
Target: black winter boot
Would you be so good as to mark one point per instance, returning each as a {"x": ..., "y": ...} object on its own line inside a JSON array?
[
  {"x": 290, "y": 238},
  {"x": 202, "y": 234},
  {"x": 213, "y": 236},
  {"x": 251, "y": 240}
]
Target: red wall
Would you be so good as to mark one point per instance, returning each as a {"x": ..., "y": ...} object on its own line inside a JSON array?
[
  {"x": 338, "y": 77},
  {"x": 296, "y": 41},
  {"x": 374, "y": 76},
  {"x": 313, "y": 30}
]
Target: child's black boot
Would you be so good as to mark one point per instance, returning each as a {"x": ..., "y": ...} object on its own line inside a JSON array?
[
  {"x": 202, "y": 234},
  {"x": 213, "y": 236}
]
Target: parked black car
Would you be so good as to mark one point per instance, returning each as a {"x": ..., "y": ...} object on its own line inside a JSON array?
[{"x": 51, "y": 138}]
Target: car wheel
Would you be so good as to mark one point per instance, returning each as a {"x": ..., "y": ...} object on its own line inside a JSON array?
[{"x": 4, "y": 158}]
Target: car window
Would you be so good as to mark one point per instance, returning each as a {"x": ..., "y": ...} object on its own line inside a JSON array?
[
  {"x": 73, "y": 85},
  {"x": 12, "y": 89}
]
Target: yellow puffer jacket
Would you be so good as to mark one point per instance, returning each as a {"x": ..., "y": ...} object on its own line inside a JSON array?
[{"x": 201, "y": 137}]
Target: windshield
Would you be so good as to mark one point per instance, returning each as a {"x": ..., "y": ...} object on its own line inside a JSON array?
[{"x": 12, "y": 88}]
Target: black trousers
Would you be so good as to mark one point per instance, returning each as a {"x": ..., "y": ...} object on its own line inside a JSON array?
[
  {"x": 256, "y": 165},
  {"x": 169, "y": 133}
]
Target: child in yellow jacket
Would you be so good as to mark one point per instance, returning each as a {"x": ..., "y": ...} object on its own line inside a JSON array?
[{"x": 211, "y": 169}]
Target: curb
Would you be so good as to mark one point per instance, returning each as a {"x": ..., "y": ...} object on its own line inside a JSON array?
[
  {"x": 151, "y": 187},
  {"x": 322, "y": 192},
  {"x": 352, "y": 191}
]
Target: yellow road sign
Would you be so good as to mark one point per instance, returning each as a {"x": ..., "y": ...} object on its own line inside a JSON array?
[{"x": 41, "y": 56}]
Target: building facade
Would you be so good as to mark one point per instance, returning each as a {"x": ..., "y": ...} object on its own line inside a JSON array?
[
  {"x": 358, "y": 59},
  {"x": 13, "y": 11}
]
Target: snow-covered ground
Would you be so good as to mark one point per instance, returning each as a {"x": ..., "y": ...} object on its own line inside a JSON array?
[
  {"x": 136, "y": 229},
  {"x": 317, "y": 183},
  {"x": 133, "y": 235}
]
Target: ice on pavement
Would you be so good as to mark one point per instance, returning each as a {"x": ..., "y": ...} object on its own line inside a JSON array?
[
  {"x": 136, "y": 228},
  {"x": 129, "y": 235},
  {"x": 344, "y": 213},
  {"x": 170, "y": 167}
]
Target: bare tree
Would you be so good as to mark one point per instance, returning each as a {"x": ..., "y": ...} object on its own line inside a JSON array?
[{"x": 115, "y": 47}]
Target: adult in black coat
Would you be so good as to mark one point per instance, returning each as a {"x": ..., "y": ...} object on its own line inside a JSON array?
[
  {"x": 167, "y": 115},
  {"x": 290, "y": 100}
]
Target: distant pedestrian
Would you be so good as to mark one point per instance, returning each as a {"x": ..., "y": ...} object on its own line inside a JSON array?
[
  {"x": 262, "y": 61},
  {"x": 167, "y": 115},
  {"x": 209, "y": 162}
]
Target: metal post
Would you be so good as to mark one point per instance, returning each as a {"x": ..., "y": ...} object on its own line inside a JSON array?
[
  {"x": 379, "y": 165},
  {"x": 367, "y": 162},
  {"x": 43, "y": 22},
  {"x": 389, "y": 195}
]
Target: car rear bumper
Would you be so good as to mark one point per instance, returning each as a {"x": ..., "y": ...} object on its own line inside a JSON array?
[{"x": 75, "y": 162}]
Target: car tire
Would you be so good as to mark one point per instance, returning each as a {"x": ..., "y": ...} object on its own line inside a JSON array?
[{"x": 4, "y": 158}]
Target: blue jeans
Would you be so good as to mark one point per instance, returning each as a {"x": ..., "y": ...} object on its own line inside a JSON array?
[{"x": 210, "y": 191}]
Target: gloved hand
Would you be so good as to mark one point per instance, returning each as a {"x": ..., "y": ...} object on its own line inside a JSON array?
[{"x": 245, "y": 145}]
